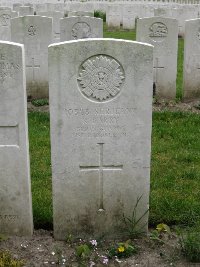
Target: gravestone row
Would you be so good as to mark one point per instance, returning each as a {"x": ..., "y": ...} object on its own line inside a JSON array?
[
  {"x": 35, "y": 32},
  {"x": 101, "y": 115}
]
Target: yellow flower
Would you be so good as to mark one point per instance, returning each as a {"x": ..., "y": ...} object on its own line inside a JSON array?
[{"x": 121, "y": 249}]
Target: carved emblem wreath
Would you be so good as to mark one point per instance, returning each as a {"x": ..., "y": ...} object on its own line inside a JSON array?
[{"x": 100, "y": 78}]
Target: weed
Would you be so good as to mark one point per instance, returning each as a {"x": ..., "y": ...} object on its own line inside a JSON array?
[
  {"x": 3, "y": 237},
  {"x": 6, "y": 260},
  {"x": 132, "y": 223},
  {"x": 122, "y": 250},
  {"x": 100, "y": 14},
  {"x": 160, "y": 234},
  {"x": 40, "y": 102}
]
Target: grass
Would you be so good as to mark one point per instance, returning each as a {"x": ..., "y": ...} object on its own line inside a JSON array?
[{"x": 175, "y": 171}]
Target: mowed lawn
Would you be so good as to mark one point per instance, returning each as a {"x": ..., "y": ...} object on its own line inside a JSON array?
[{"x": 175, "y": 168}]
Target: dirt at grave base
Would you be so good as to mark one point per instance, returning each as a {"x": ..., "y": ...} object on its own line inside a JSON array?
[
  {"x": 42, "y": 250},
  {"x": 161, "y": 105}
]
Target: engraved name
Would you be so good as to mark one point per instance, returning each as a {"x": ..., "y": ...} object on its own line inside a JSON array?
[
  {"x": 8, "y": 217},
  {"x": 7, "y": 68}
]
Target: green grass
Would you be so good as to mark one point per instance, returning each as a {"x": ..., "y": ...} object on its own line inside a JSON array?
[
  {"x": 175, "y": 170},
  {"x": 39, "y": 139}
]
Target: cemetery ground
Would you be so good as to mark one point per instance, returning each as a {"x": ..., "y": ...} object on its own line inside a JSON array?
[{"x": 174, "y": 195}]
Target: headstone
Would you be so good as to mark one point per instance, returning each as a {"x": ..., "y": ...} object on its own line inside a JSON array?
[
  {"x": 26, "y": 11},
  {"x": 80, "y": 13},
  {"x": 163, "y": 12},
  {"x": 74, "y": 28},
  {"x": 114, "y": 16},
  {"x": 162, "y": 33},
  {"x": 15, "y": 191},
  {"x": 16, "y": 6},
  {"x": 129, "y": 17},
  {"x": 101, "y": 109},
  {"x": 56, "y": 16},
  {"x": 35, "y": 33},
  {"x": 5, "y": 17},
  {"x": 191, "y": 84}
]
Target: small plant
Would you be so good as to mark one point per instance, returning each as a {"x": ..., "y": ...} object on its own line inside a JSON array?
[
  {"x": 122, "y": 250},
  {"x": 100, "y": 14},
  {"x": 160, "y": 233},
  {"x": 3, "y": 237},
  {"x": 83, "y": 251},
  {"x": 190, "y": 246},
  {"x": 40, "y": 102},
  {"x": 132, "y": 223},
  {"x": 7, "y": 261}
]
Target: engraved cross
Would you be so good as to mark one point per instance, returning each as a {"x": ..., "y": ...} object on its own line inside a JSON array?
[
  {"x": 33, "y": 66},
  {"x": 156, "y": 68},
  {"x": 101, "y": 167}
]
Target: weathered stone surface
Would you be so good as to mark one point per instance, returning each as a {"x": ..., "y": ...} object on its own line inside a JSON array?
[
  {"x": 5, "y": 17},
  {"x": 26, "y": 11},
  {"x": 35, "y": 33},
  {"x": 114, "y": 16},
  {"x": 15, "y": 191},
  {"x": 80, "y": 13},
  {"x": 101, "y": 109},
  {"x": 162, "y": 33},
  {"x": 191, "y": 84},
  {"x": 74, "y": 28},
  {"x": 56, "y": 16}
]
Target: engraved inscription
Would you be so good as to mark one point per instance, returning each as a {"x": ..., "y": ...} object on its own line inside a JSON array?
[
  {"x": 4, "y": 19},
  {"x": 7, "y": 68},
  {"x": 100, "y": 78},
  {"x": 31, "y": 30},
  {"x": 158, "y": 31},
  {"x": 8, "y": 217},
  {"x": 101, "y": 122},
  {"x": 9, "y": 135},
  {"x": 101, "y": 167},
  {"x": 81, "y": 30}
]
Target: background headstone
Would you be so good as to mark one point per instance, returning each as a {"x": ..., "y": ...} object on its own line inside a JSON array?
[
  {"x": 74, "y": 28},
  {"x": 80, "y": 13},
  {"x": 35, "y": 33},
  {"x": 114, "y": 16},
  {"x": 26, "y": 11},
  {"x": 5, "y": 17},
  {"x": 56, "y": 16},
  {"x": 101, "y": 113},
  {"x": 15, "y": 189},
  {"x": 162, "y": 33},
  {"x": 191, "y": 84}
]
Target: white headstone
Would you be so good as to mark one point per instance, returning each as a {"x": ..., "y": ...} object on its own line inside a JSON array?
[
  {"x": 129, "y": 16},
  {"x": 162, "y": 33},
  {"x": 56, "y": 16},
  {"x": 191, "y": 84},
  {"x": 101, "y": 109},
  {"x": 5, "y": 17},
  {"x": 114, "y": 16},
  {"x": 15, "y": 191},
  {"x": 26, "y": 10},
  {"x": 74, "y": 28},
  {"x": 35, "y": 33},
  {"x": 80, "y": 13},
  {"x": 16, "y": 6}
]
